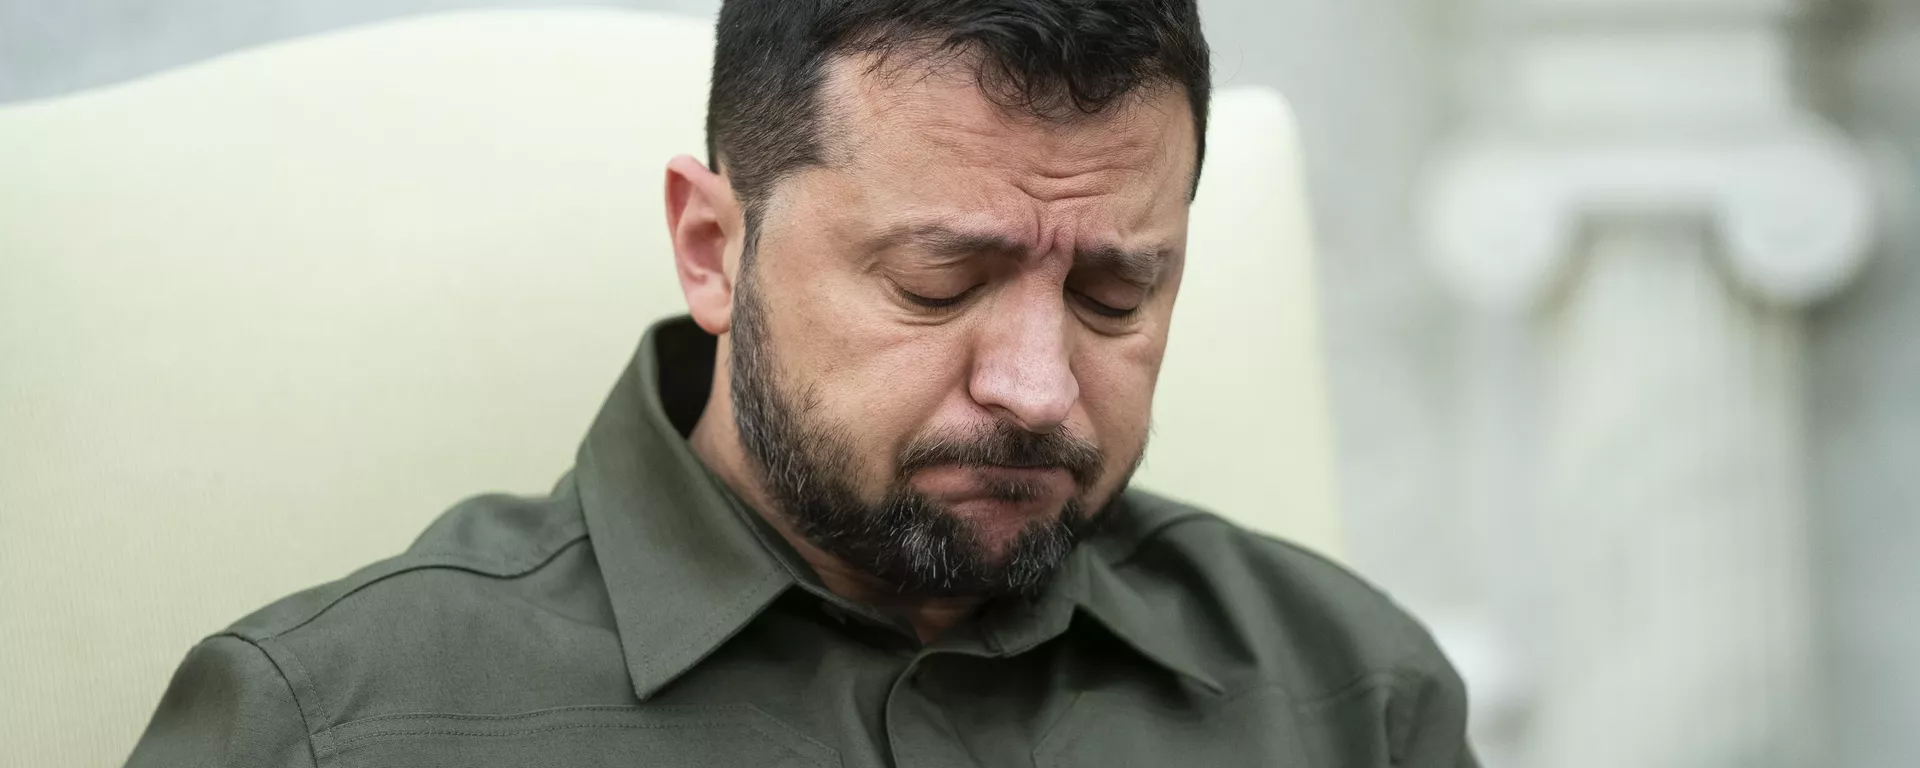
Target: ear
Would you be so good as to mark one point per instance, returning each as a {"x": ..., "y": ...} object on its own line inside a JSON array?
[{"x": 705, "y": 223}]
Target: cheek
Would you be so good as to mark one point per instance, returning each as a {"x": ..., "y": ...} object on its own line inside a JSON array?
[
  {"x": 879, "y": 382},
  {"x": 1117, "y": 377}
]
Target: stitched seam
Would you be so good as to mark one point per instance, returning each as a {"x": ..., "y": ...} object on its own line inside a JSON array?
[
  {"x": 1359, "y": 685},
  {"x": 1369, "y": 683},
  {"x": 306, "y": 724},
  {"x": 1079, "y": 729},
  {"x": 274, "y": 636},
  {"x": 1058, "y": 721},
  {"x": 507, "y": 716},
  {"x": 705, "y": 641},
  {"x": 696, "y": 716},
  {"x": 1230, "y": 698},
  {"x": 302, "y": 682},
  {"x": 758, "y": 726},
  {"x": 767, "y": 719},
  {"x": 549, "y": 729},
  {"x": 404, "y": 564}
]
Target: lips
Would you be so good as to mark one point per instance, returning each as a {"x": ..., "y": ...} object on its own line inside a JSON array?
[
  {"x": 954, "y": 483},
  {"x": 1005, "y": 448}
]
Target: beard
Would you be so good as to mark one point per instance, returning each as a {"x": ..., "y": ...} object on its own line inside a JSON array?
[{"x": 907, "y": 539}]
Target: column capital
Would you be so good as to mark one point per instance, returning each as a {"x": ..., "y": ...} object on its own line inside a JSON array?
[
  {"x": 1596, "y": 108},
  {"x": 1793, "y": 207}
]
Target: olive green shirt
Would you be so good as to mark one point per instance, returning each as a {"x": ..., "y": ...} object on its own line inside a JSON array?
[{"x": 640, "y": 615}]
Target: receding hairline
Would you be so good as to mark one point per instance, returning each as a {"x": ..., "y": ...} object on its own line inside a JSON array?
[{"x": 836, "y": 102}]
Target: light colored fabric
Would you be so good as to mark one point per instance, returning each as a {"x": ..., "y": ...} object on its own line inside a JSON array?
[{"x": 262, "y": 318}]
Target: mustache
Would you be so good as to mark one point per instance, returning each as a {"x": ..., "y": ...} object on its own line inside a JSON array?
[{"x": 1006, "y": 445}]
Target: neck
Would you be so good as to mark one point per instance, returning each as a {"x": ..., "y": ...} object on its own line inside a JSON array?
[{"x": 717, "y": 442}]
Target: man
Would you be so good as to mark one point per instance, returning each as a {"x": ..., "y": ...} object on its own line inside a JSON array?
[{"x": 867, "y": 506}]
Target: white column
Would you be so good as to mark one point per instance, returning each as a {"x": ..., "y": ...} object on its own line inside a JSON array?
[
  {"x": 1638, "y": 195},
  {"x": 1674, "y": 509}
]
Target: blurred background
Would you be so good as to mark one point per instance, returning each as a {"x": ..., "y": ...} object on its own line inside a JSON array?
[{"x": 1621, "y": 309}]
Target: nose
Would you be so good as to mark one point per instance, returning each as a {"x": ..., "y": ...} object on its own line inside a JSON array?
[{"x": 1022, "y": 370}]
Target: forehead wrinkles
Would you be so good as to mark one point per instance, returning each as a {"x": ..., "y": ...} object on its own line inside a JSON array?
[
  {"x": 911, "y": 144},
  {"x": 900, "y": 110}
]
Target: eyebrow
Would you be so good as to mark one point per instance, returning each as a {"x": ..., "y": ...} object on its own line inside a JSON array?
[
  {"x": 944, "y": 241},
  {"x": 1139, "y": 267}
]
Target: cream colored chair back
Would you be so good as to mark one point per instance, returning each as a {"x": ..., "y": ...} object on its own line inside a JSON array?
[{"x": 264, "y": 317}]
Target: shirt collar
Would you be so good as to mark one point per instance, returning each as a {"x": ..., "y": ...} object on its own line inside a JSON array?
[
  {"x": 683, "y": 574},
  {"x": 1102, "y": 591},
  {"x": 1092, "y": 583},
  {"x": 685, "y": 570}
]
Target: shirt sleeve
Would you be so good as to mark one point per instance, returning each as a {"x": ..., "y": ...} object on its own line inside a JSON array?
[
  {"x": 227, "y": 707},
  {"x": 1431, "y": 705}
]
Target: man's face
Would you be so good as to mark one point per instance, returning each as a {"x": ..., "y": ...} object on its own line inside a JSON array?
[{"x": 945, "y": 345}]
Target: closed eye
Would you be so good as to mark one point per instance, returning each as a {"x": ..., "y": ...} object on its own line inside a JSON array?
[
  {"x": 931, "y": 302},
  {"x": 1102, "y": 309}
]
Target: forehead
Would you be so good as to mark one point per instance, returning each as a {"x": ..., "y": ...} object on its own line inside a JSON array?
[{"x": 925, "y": 134}]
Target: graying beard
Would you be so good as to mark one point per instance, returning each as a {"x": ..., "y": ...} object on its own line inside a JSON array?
[{"x": 903, "y": 540}]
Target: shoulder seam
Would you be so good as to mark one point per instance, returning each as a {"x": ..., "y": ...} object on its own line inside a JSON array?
[
  {"x": 418, "y": 561},
  {"x": 306, "y": 722},
  {"x": 1391, "y": 675}
]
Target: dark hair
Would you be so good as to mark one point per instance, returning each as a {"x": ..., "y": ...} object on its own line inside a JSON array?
[{"x": 1049, "y": 58}]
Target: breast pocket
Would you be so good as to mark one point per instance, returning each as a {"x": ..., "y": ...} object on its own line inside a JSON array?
[
  {"x": 575, "y": 737},
  {"x": 1256, "y": 728}
]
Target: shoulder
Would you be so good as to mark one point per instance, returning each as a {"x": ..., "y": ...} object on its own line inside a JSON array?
[
  {"x": 477, "y": 543},
  {"x": 1273, "y": 610},
  {"x": 445, "y": 625}
]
